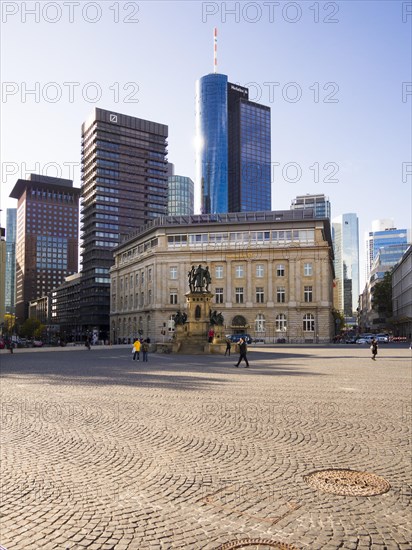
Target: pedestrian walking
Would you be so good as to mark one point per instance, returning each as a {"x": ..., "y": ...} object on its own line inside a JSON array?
[
  {"x": 145, "y": 350},
  {"x": 242, "y": 353},
  {"x": 228, "y": 346},
  {"x": 136, "y": 350},
  {"x": 374, "y": 349}
]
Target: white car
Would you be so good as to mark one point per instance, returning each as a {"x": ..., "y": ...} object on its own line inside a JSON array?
[
  {"x": 382, "y": 338},
  {"x": 364, "y": 340}
]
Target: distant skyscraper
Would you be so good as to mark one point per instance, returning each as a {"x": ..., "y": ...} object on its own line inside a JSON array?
[
  {"x": 180, "y": 196},
  {"x": 11, "y": 214},
  {"x": 2, "y": 273},
  {"x": 47, "y": 237},
  {"x": 319, "y": 203},
  {"x": 383, "y": 234},
  {"x": 345, "y": 236},
  {"x": 124, "y": 186},
  {"x": 232, "y": 148}
]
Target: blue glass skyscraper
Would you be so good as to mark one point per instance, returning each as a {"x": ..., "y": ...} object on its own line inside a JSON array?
[{"x": 233, "y": 148}]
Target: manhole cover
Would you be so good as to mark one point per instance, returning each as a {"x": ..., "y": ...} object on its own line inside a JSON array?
[
  {"x": 256, "y": 544},
  {"x": 348, "y": 482}
]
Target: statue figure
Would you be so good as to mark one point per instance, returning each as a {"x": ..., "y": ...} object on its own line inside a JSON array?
[
  {"x": 207, "y": 278},
  {"x": 180, "y": 318},
  {"x": 216, "y": 318},
  {"x": 199, "y": 278},
  {"x": 191, "y": 277}
]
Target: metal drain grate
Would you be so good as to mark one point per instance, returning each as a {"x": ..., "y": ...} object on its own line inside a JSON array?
[
  {"x": 255, "y": 544},
  {"x": 348, "y": 482}
]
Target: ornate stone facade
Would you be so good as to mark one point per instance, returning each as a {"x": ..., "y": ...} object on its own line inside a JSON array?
[{"x": 271, "y": 275}]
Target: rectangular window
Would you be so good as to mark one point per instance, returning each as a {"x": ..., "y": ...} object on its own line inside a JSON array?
[
  {"x": 308, "y": 294},
  {"x": 149, "y": 297},
  {"x": 219, "y": 295},
  {"x": 173, "y": 297},
  {"x": 173, "y": 272},
  {"x": 280, "y": 270},
  {"x": 307, "y": 270},
  {"x": 149, "y": 274},
  {"x": 260, "y": 295},
  {"x": 281, "y": 295},
  {"x": 141, "y": 299},
  {"x": 219, "y": 272},
  {"x": 239, "y": 271},
  {"x": 259, "y": 270},
  {"x": 239, "y": 295}
]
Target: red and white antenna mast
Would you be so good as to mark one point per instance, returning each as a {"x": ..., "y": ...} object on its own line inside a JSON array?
[{"x": 215, "y": 50}]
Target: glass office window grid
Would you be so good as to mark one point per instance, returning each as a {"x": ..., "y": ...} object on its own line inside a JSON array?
[
  {"x": 255, "y": 185},
  {"x": 180, "y": 196},
  {"x": 212, "y": 143}
]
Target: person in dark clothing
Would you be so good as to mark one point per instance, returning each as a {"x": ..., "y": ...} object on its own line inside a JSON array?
[
  {"x": 145, "y": 350},
  {"x": 374, "y": 349},
  {"x": 228, "y": 346},
  {"x": 242, "y": 353}
]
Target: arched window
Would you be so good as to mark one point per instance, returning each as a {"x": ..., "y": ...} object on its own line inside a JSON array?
[
  {"x": 260, "y": 323},
  {"x": 281, "y": 322},
  {"x": 308, "y": 322},
  {"x": 239, "y": 322},
  {"x": 198, "y": 312}
]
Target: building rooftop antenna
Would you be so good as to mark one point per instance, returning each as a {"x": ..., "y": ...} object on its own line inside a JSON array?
[{"x": 215, "y": 50}]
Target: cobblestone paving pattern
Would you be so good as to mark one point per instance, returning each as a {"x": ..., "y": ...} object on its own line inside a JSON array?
[{"x": 103, "y": 453}]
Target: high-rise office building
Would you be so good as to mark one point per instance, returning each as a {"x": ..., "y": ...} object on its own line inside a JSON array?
[
  {"x": 319, "y": 203},
  {"x": 124, "y": 186},
  {"x": 11, "y": 216},
  {"x": 232, "y": 148},
  {"x": 180, "y": 196},
  {"x": 384, "y": 233},
  {"x": 2, "y": 273},
  {"x": 345, "y": 236},
  {"x": 47, "y": 236}
]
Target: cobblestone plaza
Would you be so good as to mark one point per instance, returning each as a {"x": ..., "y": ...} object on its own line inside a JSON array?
[{"x": 104, "y": 453}]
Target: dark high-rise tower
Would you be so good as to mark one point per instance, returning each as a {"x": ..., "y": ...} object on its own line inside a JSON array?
[
  {"x": 124, "y": 186},
  {"x": 11, "y": 259},
  {"x": 233, "y": 148},
  {"x": 47, "y": 237}
]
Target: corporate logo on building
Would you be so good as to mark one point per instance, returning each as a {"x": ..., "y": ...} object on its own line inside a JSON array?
[
  {"x": 238, "y": 89},
  {"x": 113, "y": 118}
]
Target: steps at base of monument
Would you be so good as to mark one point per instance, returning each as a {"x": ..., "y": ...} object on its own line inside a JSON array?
[{"x": 191, "y": 348}]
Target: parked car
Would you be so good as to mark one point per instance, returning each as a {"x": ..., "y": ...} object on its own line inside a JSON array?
[
  {"x": 37, "y": 343},
  {"x": 382, "y": 338},
  {"x": 2, "y": 344},
  {"x": 365, "y": 338},
  {"x": 236, "y": 337}
]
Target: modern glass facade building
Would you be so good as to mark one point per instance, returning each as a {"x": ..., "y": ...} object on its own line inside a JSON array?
[
  {"x": 124, "y": 186},
  {"x": 47, "y": 236},
  {"x": 345, "y": 236},
  {"x": 319, "y": 203},
  {"x": 233, "y": 149},
  {"x": 383, "y": 234},
  {"x": 10, "y": 297},
  {"x": 180, "y": 196},
  {"x": 212, "y": 144}
]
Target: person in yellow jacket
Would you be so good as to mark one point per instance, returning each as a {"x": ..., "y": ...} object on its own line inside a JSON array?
[{"x": 136, "y": 350}]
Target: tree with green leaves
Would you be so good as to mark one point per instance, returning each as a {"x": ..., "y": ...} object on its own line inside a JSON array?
[
  {"x": 382, "y": 296},
  {"x": 32, "y": 328}
]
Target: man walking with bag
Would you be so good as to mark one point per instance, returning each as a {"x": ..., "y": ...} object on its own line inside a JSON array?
[{"x": 242, "y": 353}]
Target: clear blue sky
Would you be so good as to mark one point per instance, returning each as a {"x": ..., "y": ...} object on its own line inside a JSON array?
[{"x": 349, "y": 73}]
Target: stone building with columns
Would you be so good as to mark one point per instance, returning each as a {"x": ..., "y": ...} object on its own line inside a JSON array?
[{"x": 272, "y": 275}]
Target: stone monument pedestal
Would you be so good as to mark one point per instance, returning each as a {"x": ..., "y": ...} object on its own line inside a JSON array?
[{"x": 192, "y": 336}]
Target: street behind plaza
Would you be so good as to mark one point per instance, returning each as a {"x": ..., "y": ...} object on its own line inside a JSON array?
[{"x": 104, "y": 453}]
